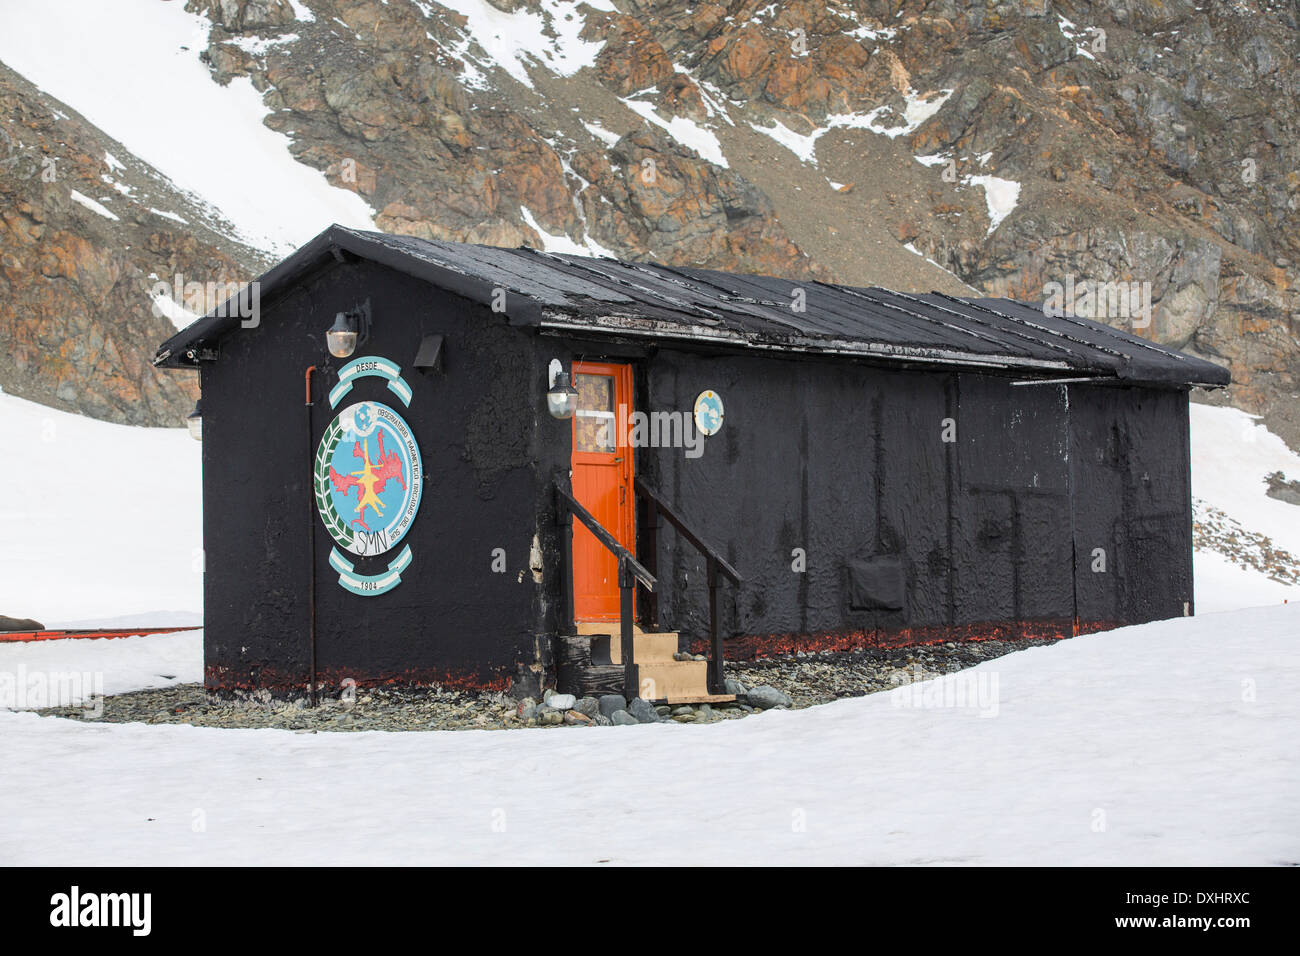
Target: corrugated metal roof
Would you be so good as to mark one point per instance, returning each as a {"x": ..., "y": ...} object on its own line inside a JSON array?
[{"x": 609, "y": 297}]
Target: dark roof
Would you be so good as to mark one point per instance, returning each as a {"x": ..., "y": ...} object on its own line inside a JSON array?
[{"x": 611, "y": 297}]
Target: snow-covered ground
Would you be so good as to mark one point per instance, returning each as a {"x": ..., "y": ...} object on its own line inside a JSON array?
[
  {"x": 142, "y": 662},
  {"x": 275, "y": 202},
  {"x": 1231, "y": 455},
  {"x": 1222, "y": 585},
  {"x": 1169, "y": 743},
  {"x": 102, "y": 521}
]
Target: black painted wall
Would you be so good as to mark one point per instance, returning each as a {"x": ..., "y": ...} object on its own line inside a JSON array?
[
  {"x": 1132, "y": 473},
  {"x": 451, "y": 619},
  {"x": 994, "y": 533}
]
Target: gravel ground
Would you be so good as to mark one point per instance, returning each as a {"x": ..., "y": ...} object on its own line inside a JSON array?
[
  {"x": 819, "y": 678},
  {"x": 808, "y": 679}
]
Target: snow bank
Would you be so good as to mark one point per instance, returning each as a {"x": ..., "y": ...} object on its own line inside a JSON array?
[
  {"x": 1221, "y": 585},
  {"x": 687, "y": 132},
  {"x": 121, "y": 663},
  {"x": 1231, "y": 455},
  {"x": 1167, "y": 744},
  {"x": 1001, "y": 196},
  {"x": 803, "y": 146},
  {"x": 82, "y": 199},
  {"x": 513, "y": 40},
  {"x": 562, "y": 243},
  {"x": 917, "y": 109},
  {"x": 97, "y": 519}
]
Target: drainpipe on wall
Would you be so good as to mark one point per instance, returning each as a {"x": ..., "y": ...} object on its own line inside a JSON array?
[{"x": 311, "y": 546}]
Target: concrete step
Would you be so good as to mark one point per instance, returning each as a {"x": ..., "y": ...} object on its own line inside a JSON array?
[{"x": 648, "y": 648}]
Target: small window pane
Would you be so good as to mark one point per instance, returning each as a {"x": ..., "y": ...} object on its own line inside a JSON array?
[{"x": 594, "y": 429}]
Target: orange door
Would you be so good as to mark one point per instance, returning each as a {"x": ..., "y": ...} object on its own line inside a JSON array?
[{"x": 602, "y": 483}]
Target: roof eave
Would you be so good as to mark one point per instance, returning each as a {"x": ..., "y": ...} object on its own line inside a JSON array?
[
  {"x": 182, "y": 349},
  {"x": 650, "y": 328}
]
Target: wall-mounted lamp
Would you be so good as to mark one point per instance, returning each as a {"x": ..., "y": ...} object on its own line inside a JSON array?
[
  {"x": 341, "y": 338},
  {"x": 194, "y": 422},
  {"x": 561, "y": 397},
  {"x": 348, "y": 331}
]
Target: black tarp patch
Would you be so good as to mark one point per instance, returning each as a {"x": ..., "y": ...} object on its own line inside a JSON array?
[{"x": 876, "y": 584}]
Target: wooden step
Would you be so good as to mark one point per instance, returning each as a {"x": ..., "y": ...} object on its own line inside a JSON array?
[
  {"x": 648, "y": 648},
  {"x": 602, "y": 627},
  {"x": 587, "y": 674},
  {"x": 672, "y": 681},
  {"x": 703, "y": 699}
]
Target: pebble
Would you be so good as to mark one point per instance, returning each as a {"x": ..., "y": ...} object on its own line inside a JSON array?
[
  {"x": 642, "y": 711},
  {"x": 768, "y": 697},
  {"x": 561, "y": 701},
  {"x": 621, "y": 718},
  {"x": 588, "y": 706},
  {"x": 610, "y": 704}
]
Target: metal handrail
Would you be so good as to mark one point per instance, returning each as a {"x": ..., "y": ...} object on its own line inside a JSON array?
[
  {"x": 630, "y": 570},
  {"x": 604, "y": 537},
  {"x": 714, "y": 561},
  {"x": 677, "y": 522}
]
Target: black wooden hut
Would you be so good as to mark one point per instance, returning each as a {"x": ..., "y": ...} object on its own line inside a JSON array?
[{"x": 755, "y": 465}]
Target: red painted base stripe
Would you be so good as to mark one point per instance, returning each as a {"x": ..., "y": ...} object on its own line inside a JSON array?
[
  {"x": 752, "y": 646},
  {"x": 112, "y": 632}
]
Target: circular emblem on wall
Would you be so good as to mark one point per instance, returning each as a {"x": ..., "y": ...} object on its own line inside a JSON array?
[
  {"x": 368, "y": 478},
  {"x": 708, "y": 412}
]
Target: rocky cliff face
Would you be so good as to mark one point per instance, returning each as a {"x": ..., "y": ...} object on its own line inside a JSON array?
[
  {"x": 1008, "y": 147},
  {"x": 77, "y": 319}
]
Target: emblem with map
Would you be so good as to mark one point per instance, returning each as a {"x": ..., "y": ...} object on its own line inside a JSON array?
[{"x": 368, "y": 478}]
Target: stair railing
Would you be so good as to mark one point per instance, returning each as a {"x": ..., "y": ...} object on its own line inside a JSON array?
[
  {"x": 716, "y": 563},
  {"x": 630, "y": 570}
]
